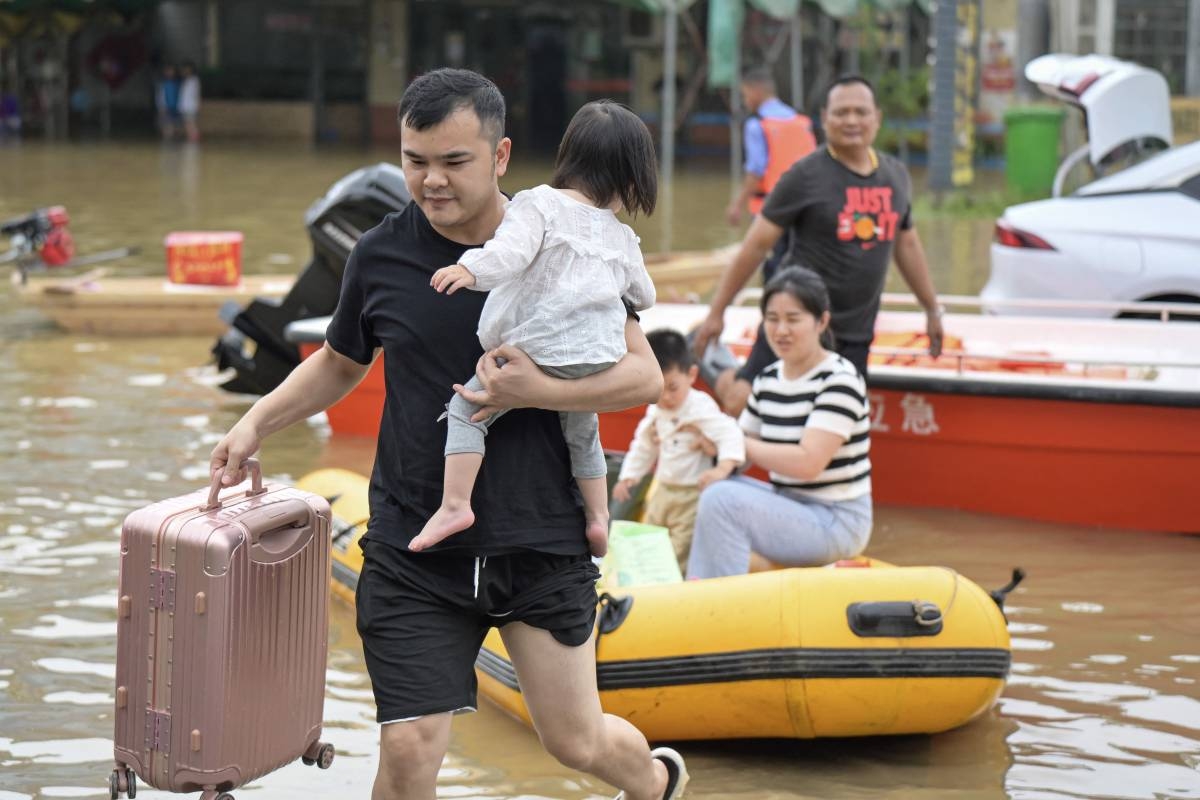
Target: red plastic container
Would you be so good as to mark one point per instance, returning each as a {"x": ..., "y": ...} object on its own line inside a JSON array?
[{"x": 210, "y": 258}]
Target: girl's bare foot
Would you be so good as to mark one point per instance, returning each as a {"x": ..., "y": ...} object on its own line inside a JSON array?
[
  {"x": 445, "y": 522},
  {"x": 597, "y": 537}
]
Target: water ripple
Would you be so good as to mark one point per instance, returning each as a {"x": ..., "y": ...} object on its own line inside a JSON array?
[
  {"x": 1183, "y": 712},
  {"x": 72, "y": 666},
  {"x": 79, "y": 698},
  {"x": 59, "y": 627},
  {"x": 59, "y": 751}
]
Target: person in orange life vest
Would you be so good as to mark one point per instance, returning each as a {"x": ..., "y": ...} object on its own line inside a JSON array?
[
  {"x": 774, "y": 137},
  {"x": 848, "y": 210}
]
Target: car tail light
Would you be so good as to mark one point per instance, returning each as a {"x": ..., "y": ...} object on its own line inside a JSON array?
[{"x": 1009, "y": 236}]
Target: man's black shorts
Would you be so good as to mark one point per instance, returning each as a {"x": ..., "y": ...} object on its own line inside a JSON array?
[{"x": 422, "y": 618}]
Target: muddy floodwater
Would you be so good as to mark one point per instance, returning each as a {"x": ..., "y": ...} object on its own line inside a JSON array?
[{"x": 1103, "y": 700}]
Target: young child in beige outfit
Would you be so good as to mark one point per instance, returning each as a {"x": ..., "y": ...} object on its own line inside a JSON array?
[{"x": 666, "y": 440}]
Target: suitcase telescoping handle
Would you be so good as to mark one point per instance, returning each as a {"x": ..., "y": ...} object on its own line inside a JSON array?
[{"x": 256, "y": 487}]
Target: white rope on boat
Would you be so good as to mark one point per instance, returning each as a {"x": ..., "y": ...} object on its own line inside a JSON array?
[{"x": 752, "y": 296}]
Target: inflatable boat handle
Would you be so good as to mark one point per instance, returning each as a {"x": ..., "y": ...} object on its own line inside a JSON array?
[{"x": 999, "y": 595}]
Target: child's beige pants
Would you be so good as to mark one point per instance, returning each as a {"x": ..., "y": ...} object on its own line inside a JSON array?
[{"x": 674, "y": 508}]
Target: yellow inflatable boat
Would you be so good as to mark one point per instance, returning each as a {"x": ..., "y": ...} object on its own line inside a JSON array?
[{"x": 862, "y": 649}]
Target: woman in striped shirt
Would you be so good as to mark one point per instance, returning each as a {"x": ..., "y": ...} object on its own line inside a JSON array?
[{"x": 807, "y": 424}]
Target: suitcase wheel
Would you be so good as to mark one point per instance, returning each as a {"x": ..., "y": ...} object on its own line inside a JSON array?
[
  {"x": 321, "y": 755},
  {"x": 122, "y": 781}
]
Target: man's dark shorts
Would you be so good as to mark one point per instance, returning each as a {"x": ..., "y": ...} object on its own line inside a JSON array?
[
  {"x": 423, "y": 616},
  {"x": 761, "y": 356}
]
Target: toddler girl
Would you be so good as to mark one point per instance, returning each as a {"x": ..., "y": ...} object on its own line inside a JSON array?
[{"x": 561, "y": 273}]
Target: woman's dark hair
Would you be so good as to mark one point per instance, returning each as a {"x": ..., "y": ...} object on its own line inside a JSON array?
[
  {"x": 434, "y": 96},
  {"x": 670, "y": 350},
  {"x": 807, "y": 288},
  {"x": 607, "y": 153}
]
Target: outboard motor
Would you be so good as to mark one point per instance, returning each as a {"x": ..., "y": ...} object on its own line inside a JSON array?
[
  {"x": 352, "y": 206},
  {"x": 37, "y": 240}
]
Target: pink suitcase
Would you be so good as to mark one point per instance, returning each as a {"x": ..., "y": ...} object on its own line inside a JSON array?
[{"x": 222, "y": 631}]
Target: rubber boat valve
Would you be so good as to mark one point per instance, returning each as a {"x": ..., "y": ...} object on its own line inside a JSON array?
[
  {"x": 999, "y": 595},
  {"x": 926, "y": 614}
]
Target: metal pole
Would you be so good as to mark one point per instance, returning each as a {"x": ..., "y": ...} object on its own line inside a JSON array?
[
  {"x": 735, "y": 117},
  {"x": 670, "y": 45},
  {"x": 905, "y": 70},
  {"x": 316, "y": 75},
  {"x": 1033, "y": 40},
  {"x": 1064, "y": 26},
  {"x": 367, "y": 39},
  {"x": 797, "y": 61},
  {"x": 855, "y": 46},
  {"x": 1192, "y": 68},
  {"x": 212, "y": 35},
  {"x": 941, "y": 112},
  {"x": 1106, "y": 16}
]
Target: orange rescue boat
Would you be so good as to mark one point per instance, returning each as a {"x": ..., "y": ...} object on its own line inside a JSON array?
[{"x": 1082, "y": 421}]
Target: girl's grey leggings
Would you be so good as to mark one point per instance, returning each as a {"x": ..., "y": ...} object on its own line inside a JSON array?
[{"x": 581, "y": 429}]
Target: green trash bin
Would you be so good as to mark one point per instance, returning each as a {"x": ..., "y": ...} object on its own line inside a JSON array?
[{"x": 1031, "y": 136}]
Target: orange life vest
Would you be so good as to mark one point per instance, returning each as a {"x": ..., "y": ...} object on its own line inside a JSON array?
[{"x": 788, "y": 141}]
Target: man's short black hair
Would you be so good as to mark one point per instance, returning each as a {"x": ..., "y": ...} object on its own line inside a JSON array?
[
  {"x": 608, "y": 153},
  {"x": 670, "y": 349},
  {"x": 849, "y": 80},
  {"x": 759, "y": 76},
  {"x": 434, "y": 96}
]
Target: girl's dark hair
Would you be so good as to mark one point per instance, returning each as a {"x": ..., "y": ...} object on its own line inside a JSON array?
[
  {"x": 670, "y": 349},
  {"x": 608, "y": 153},
  {"x": 434, "y": 96},
  {"x": 808, "y": 290}
]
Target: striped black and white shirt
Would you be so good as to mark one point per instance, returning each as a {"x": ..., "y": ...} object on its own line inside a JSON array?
[{"x": 830, "y": 397}]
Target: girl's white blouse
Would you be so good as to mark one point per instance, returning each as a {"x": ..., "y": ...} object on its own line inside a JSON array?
[{"x": 557, "y": 271}]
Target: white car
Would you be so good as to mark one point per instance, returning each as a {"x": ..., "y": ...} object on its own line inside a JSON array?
[{"x": 1132, "y": 236}]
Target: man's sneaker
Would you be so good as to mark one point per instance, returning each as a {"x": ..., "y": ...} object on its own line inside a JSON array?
[{"x": 677, "y": 774}]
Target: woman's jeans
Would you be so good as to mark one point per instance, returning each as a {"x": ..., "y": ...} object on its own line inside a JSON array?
[{"x": 741, "y": 515}]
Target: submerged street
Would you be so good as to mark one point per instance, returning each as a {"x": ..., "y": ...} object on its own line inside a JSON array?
[{"x": 1103, "y": 700}]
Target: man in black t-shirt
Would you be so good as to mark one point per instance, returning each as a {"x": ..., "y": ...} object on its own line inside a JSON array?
[
  {"x": 847, "y": 209},
  {"x": 524, "y": 565}
]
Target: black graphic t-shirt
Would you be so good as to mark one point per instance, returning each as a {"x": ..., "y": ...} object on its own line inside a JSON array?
[
  {"x": 843, "y": 226},
  {"x": 525, "y": 497}
]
